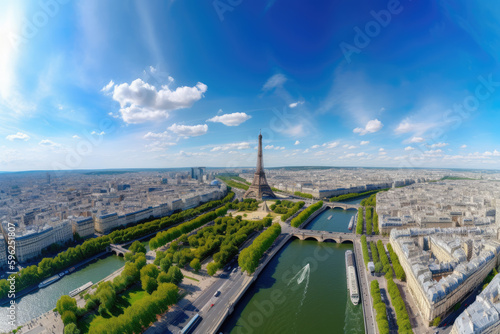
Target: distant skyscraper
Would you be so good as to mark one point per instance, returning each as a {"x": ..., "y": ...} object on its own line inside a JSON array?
[
  {"x": 197, "y": 173},
  {"x": 259, "y": 185}
]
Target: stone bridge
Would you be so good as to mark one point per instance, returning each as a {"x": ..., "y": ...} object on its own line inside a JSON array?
[
  {"x": 341, "y": 205},
  {"x": 323, "y": 236},
  {"x": 118, "y": 249}
]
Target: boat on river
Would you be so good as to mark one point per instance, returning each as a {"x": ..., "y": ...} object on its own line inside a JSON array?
[
  {"x": 330, "y": 217},
  {"x": 351, "y": 223},
  {"x": 49, "y": 281},
  {"x": 352, "y": 280}
]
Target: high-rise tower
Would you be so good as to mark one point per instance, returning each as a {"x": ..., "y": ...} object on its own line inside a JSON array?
[{"x": 259, "y": 185}]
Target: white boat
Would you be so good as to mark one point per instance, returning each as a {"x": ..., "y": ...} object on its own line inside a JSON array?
[
  {"x": 80, "y": 289},
  {"x": 351, "y": 223},
  {"x": 49, "y": 281},
  {"x": 330, "y": 217},
  {"x": 352, "y": 281}
]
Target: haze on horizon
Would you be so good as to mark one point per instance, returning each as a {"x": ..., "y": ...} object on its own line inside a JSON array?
[{"x": 131, "y": 84}]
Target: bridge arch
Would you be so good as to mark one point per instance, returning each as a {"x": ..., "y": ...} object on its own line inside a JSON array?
[{"x": 330, "y": 240}]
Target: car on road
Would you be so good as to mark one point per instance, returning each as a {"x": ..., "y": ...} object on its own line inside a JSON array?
[
  {"x": 217, "y": 293},
  {"x": 235, "y": 270}
]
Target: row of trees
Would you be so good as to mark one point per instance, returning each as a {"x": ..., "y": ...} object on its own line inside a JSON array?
[
  {"x": 369, "y": 201},
  {"x": 403, "y": 320},
  {"x": 383, "y": 257},
  {"x": 302, "y": 217},
  {"x": 230, "y": 182},
  {"x": 248, "y": 204},
  {"x": 398, "y": 269},
  {"x": 292, "y": 210},
  {"x": 380, "y": 308},
  {"x": 162, "y": 238},
  {"x": 375, "y": 222},
  {"x": 50, "y": 266},
  {"x": 364, "y": 248},
  {"x": 305, "y": 195},
  {"x": 250, "y": 256},
  {"x": 359, "y": 223},
  {"x": 369, "y": 226},
  {"x": 351, "y": 195}
]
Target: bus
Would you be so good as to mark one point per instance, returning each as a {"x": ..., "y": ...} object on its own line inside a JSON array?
[{"x": 191, "y": 324}]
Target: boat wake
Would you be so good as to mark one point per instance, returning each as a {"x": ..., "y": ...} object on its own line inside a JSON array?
[
  {"x": 353, "y": 322},
  {"x": 300, "y": 277}
]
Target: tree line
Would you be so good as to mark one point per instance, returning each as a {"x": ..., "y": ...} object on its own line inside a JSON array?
[
  {"x": 364, "y": 248},
  {"x": 302, "y": 217},
  {"x": 301, "y": 194},
  {"x": 380, "y": 308},
  {"x": 403, "y": 320},
  {"x": 398, "y": 269},
  {"x": 249, "y": 257},
  {"x": 287, "y": 209},
  {"x": 340, "y": 198},
  {"x": 359, "y": 223},
  {"x": 369, "y": 226},
  {"x": 47, "y": 267}
]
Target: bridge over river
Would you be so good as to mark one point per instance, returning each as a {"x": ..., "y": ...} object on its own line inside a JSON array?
[{"x": 324, "y": 236}]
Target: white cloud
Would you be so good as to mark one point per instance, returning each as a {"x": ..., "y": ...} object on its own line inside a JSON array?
[
  {"x": 276, "y": 80},
  {"x": 294, "y": 130},
  {"x": 463, "y": 146},
  {"x": 159, "y": 146},
  {"x": 306, "y": 150},
  {"x": 188, "y": 130},
  {"x": 381, "y": 149},
  {"x": 233, "y": 119},
  {"x": 439, "y": 145},
  {"x": 102, "y": 133},
  {"x": 297, "y": 142},
  {"x": 141, "y": 102},
  {"x": 364, "y": 142},
  {"x": 372, "y": 126},
  {"x": 295, "y": 104},
  {"x": 345, "y": 145},
  {"x": 48, "y": 143},
  {"x": 350, "y": 155},
  {"x": 352, "y": 147},
  {"x": 495, "y": 153},
  {"x": 315, "y": 146},
  {"x": 416, "y": 140},
  {"x": 108, "y": 87},
  {"x": 331, "y": 144},
  {"x": 360, "y": 154},
  {"x": 269, "y": 147},
  {"x": 18, "y": 136},
  {"x": 76, "y": 137},
  {"x": 238, "y": 146},
  {"x": 409, "y": 148},
  {"x": 153, "y": 135}
]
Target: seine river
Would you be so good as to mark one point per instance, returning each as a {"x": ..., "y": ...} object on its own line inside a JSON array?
[
  {"x": 44, "y": 300},
  {"x": 303, "y": 289}
]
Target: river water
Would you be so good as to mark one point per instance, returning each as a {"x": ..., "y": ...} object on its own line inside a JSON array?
[
  {"x": 44, "y": 300},
  {"x": 303, "y": 289}
]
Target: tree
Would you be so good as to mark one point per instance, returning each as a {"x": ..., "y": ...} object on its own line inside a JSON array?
[
  {"x": 150, "y": 270},
  {"x": 137, "y": 247},
  {"x": 66, "y": 303},
  {"x": 212, "y": 268},
  {"x": 165, "y": 264},
  {"x": 149, "y": 284},
  {"x": 195, "y": 264},
  {"x": 436, "y": 321},
  {"x": 175, "y": 275},
  {"x": 68, "y": 317},
  {"x": 71, "y": 329}
]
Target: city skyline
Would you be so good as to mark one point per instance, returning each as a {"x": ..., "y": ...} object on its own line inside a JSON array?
[{"x": 185, "y": 84}]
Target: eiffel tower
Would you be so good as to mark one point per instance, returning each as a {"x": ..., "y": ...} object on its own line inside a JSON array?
[{"x": 259, "y": 185}]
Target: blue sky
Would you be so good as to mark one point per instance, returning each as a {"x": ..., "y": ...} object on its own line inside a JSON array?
[{"x": 121, "y": 84}]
